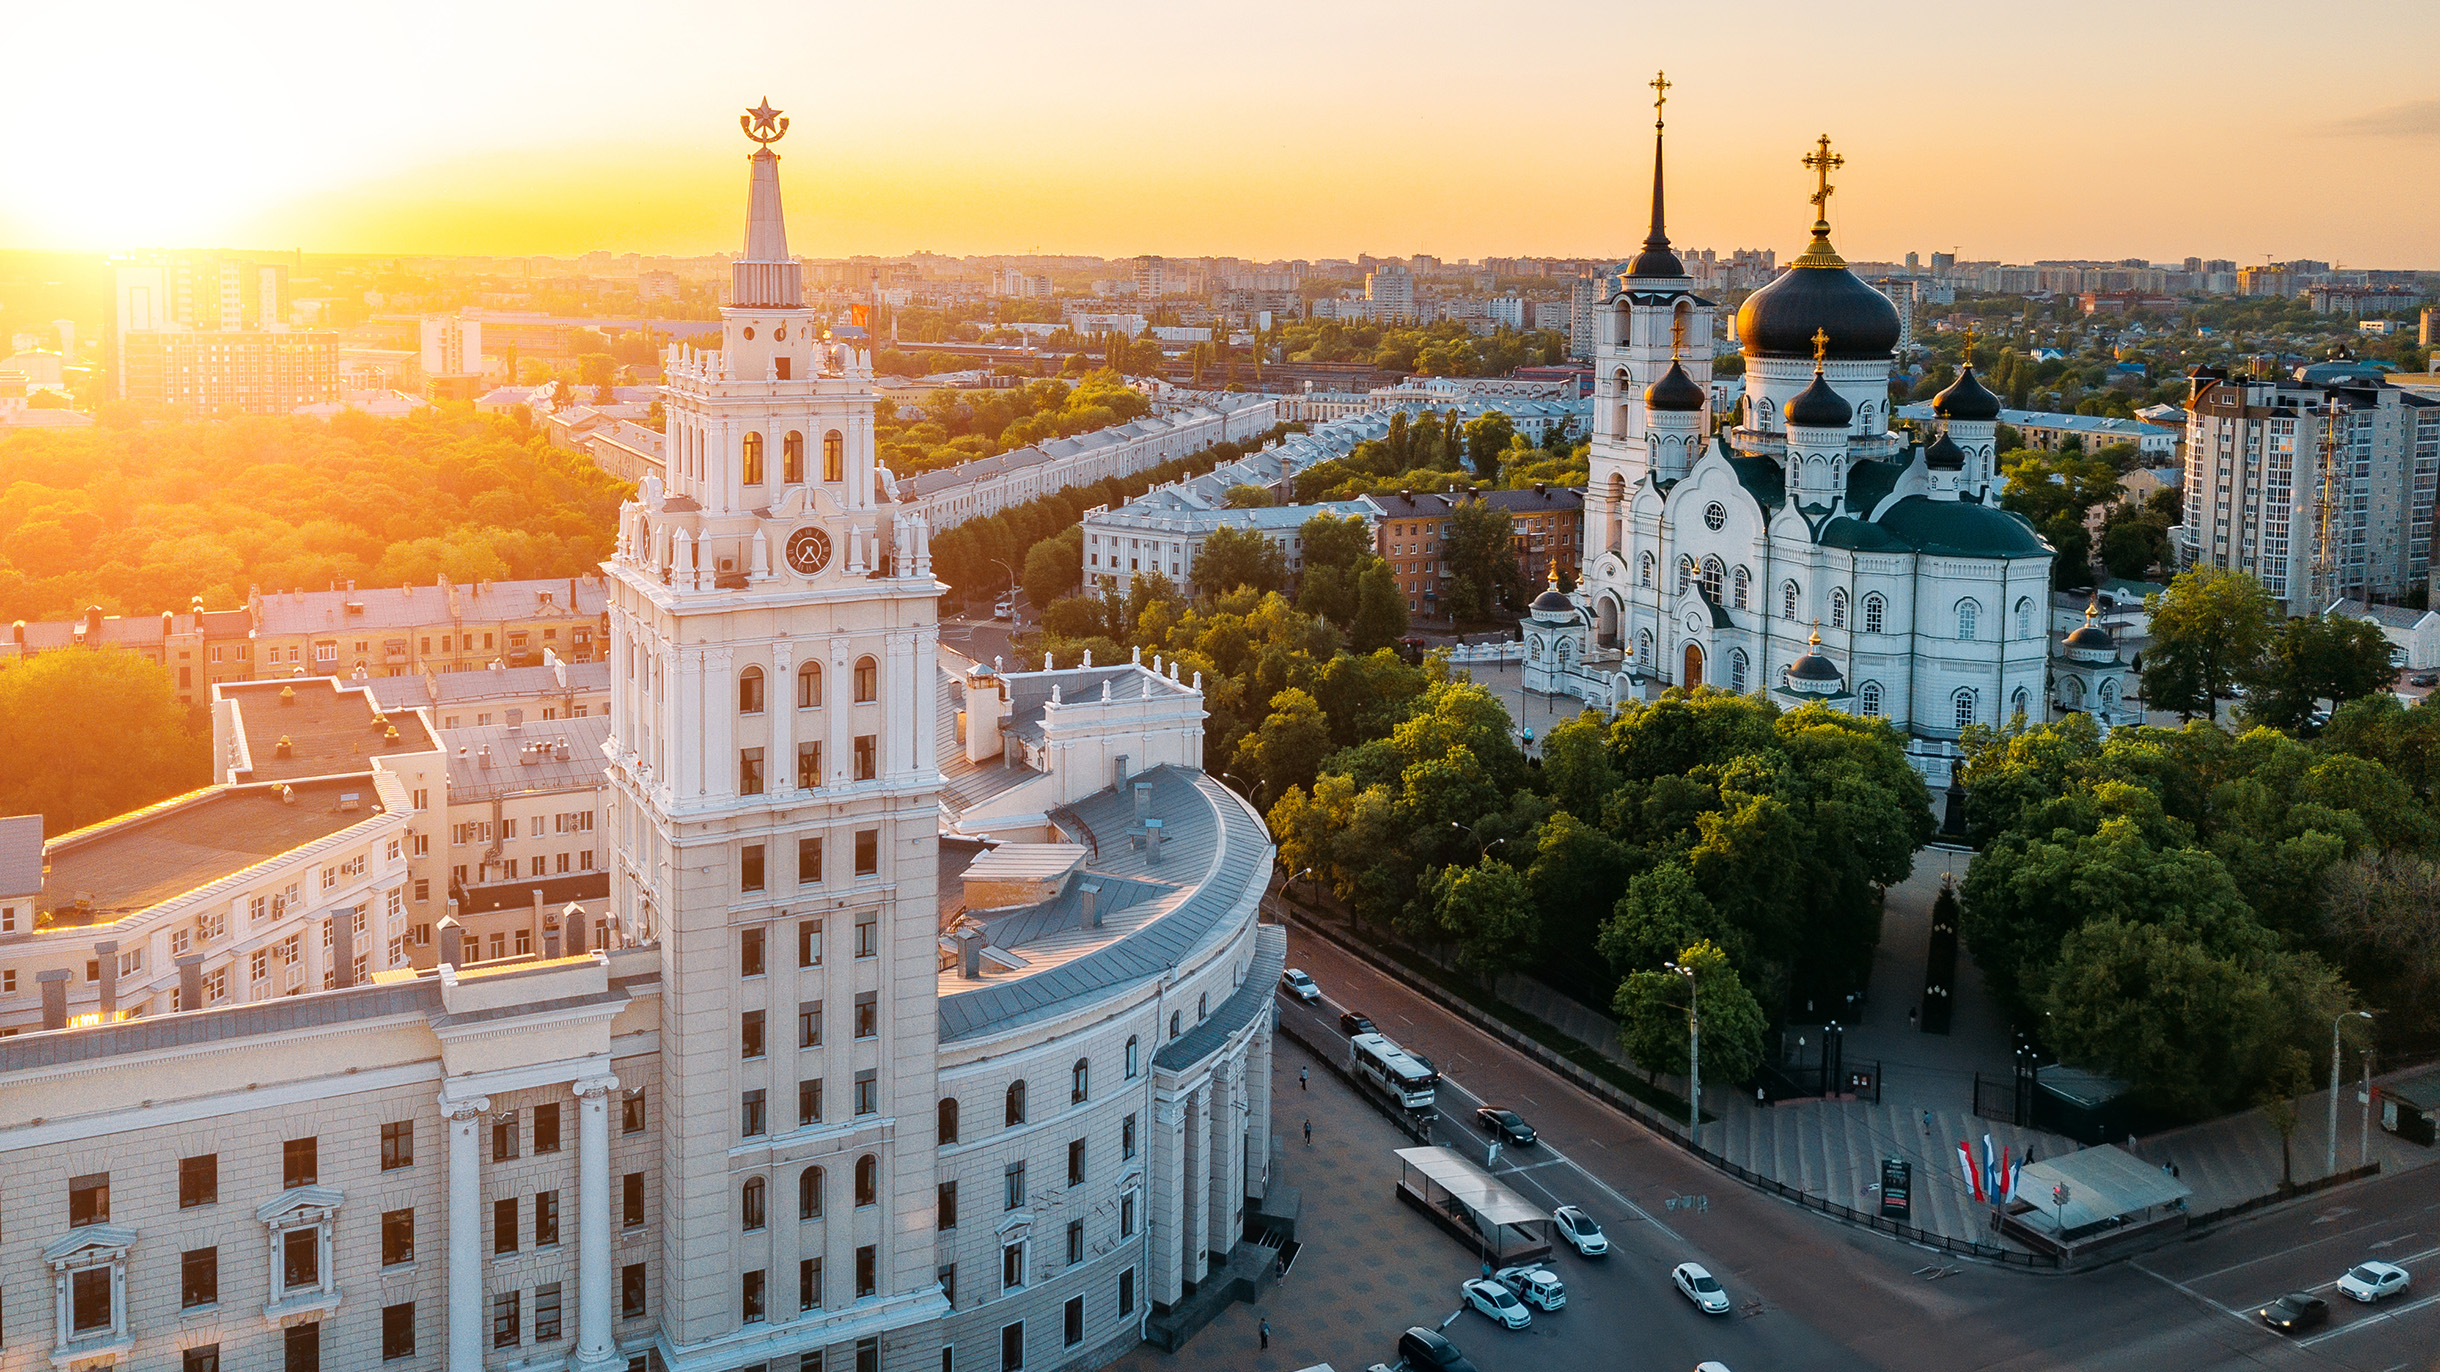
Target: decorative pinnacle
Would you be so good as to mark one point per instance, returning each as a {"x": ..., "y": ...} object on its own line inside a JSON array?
[
  {"x": 1554, "y": 572},
  {"x": 1817, "y": 633},
  {"x": 1660, "y": 97},
  {"x": 764, "y": 124}
]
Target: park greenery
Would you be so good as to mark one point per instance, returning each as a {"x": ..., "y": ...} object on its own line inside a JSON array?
[
  {"x": 91, "y": 735},
  {"x": 143, "y": 519},
  {"x": 1442, "y": 349},
  {"x": 950, "y": 426}
]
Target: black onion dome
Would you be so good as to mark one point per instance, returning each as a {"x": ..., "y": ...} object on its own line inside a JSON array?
[
  {"x": 2092, "y": 636},
  {"x": 1656, "y": 262},
  {"x": 1780, "y": 319},
  {"x": 1819, "y": 407},
  {"x": 1553, "y": 602},
  {"x": 1966, "y": 398},
  {"x": 1674, "y": 391},
  {"x": 1944, "y": 455},
  {"x": 1812, "y": 667}
]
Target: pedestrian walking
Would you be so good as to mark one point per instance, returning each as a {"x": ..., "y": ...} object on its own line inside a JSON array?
[
  {"x": 1927, "y": 1123},
  {"x": 1266, "y": 1333},
  {"x": 1911, "y": 1014},
  {"x": 1301, "y": 1074},
  {"x": 1308, "y": 1133}
]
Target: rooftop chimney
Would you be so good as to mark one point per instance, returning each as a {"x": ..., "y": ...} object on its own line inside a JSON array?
[
  {"x": 453, "y": 938},
  {"x": 107, "y": 953},
  {"x": 190, "y": 982},
  {"x": 572, "y": 920},
  {"x": 1088, "y": 907},
  {"x": 54, "y": 997},
  {"x": 342, "y": 949}
]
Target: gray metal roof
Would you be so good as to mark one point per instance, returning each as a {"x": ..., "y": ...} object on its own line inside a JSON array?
[
  {"x": 21, "y": 855},
  {"x": 1252, "y": 997},
  {"x": 1212, "y": 840},
  {"x": 285, "y": 1014},
  {"x": 451, "y": 688},
  {"x": 509, "y": 774}
]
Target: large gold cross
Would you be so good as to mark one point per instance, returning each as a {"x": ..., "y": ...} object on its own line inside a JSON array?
[
  {"x": 1823, "y": 162},
  {"x": 1677, "y": 336},
  {"x": 1660, "y": 95},
  {"x": 1821, "y": 345},
  {"x": 1969, "y": 345}
]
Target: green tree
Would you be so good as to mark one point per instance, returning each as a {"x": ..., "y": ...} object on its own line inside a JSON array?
[
  {"x": 2054, "y": 492},
  {"x": 2290, "y": 1076},
  {"x": 1478, "y": 544},
  {"x": 1054, "y": 568},
  {"x": 1232, "y": 557},
  {"x": 1487, "y": 436},
  {"x": 1651, "y": 1007},
  {"x": 1288, "y": 749},
  {"x": 2312, "y": 658},
  {"x": 1662, "y": 912},
  {"x": 1380, "y": 620},
  {"x": 1247, "y": 497},
  {"x": 93, "y": 734},
  {"x": 1487, "y": 915},
  {"x": 2209, "y": 630}
]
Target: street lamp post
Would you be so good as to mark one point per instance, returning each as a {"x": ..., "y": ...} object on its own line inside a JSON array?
[
  {"x": 2331, "y": 1167},
  {"x": 1694, "y": 1055},
  {"x": 2363, "y": 1141}
]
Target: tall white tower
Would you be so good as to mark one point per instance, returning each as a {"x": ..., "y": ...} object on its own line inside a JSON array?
[{"x": 772, "y": 660}]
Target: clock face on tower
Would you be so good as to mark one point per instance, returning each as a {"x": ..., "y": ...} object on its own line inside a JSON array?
[{"x": 809, "y": 550}]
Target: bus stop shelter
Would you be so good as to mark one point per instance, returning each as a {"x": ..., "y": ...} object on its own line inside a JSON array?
[
  {"x": 2072, "y": 1203},
  {"x": 1474, "y": 1206}
]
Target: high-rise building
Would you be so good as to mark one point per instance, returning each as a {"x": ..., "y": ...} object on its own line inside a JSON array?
[
  {"x": 198, "y": 334},
  {"x": 452, "y": 344},
  {"x": 1390, "y": 291},
  {"x": 2320, "y": 486}
]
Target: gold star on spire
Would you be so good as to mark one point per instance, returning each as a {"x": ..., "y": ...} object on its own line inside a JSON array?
[{"x": 763, "y": 124}]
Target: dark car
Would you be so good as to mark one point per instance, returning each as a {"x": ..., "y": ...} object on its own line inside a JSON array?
[
  {"x": 1507, "y": 1123},
  {"x": 2295, "y": 1312},
  {"x": 1352, "y": 1024},
  {"x": 1425, "y": 1350}
]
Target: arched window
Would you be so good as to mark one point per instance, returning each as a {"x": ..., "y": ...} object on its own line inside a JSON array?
[
  {"x": 1643, "y": 648},
  {"x": 1080, "y": 1081},
  {"x": 1740, "y": 587},
  {"x": 2109, "y": 696},
  {"x": 1969, "y": 617},
  {"x": 1963, "y": 703},
  {"x": 809, "y": 686},
  {"x": 1134, "y": 1048},
  {"x": 1713, "y": 573},
  {"x": 868, "y": 1180},
  {"x": 750, "y": 1204},
  {"x": 1173, "y": 1024},
  {"x": 868, "y": 681},
  {"x": 750, "y": 691},
  {"x": 2024, "y": 618},
  {"x": 834, "y": 456},
  {"x": 809, "y": 1194},
  {"x": 2016, "y": 705},
  {"x": 1203, "y": 1007},
  {"x": 1644, "y": 572},
  {"x": 1838, "y": 608},
  {"x": 1014, "y": 1115},
  {"x": 948, "y": 1119},
  {"x": 792, "y": 458},
  {"x": 1876, "y": 611},
  {"x": 1736, "y": 669},
  {"x": 1685, "y": 573},
  {"x": 1787, "y": 600},
  {"x": 1868, "y": 700},
  {"x": 754, "y": 459}
]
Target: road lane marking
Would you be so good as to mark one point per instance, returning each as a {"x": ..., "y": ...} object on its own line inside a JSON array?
[
  {"x": 2243, "y": 1317},
  {"x": 2390, "y": 1314},
  {"x": 1604, "y": 1187},
  {"x": 2332, "y": 1284},
  {"x": 2289, "y": 1252}
]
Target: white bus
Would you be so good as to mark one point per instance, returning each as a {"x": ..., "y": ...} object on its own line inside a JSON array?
[{"x": 1407, "y": 1078}]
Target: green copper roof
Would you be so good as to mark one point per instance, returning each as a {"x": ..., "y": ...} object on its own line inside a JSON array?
[
  {"x": 1953, "y": 528},
  {"x": 1869, "y": 483},
  {"x": 1762, "y": 479}
]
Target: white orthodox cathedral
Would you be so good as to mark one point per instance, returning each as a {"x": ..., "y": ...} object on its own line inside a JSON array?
[{"x": 1797, "y": 545}]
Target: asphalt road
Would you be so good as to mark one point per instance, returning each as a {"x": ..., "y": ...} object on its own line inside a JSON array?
[{"x": 1815, "y": 1294}]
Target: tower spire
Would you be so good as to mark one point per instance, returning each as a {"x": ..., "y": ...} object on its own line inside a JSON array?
[
  {"x": 765, "y": 275},
  {"x": 1656, "y": 260}
]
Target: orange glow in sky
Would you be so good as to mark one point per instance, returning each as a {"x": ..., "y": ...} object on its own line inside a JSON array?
[{"x": 1259, "y": 130}]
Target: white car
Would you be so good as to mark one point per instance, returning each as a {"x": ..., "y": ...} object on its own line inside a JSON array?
[
  {"x": 1489, "y": 1298},
  {"x": 1700, "y": 1287},
  {"x": 1004, "y": 608},
  {"x": 1299, "y": 985},
  {"x": 1537, "y": 1286},
  {"x": 1580, "y": 1231},
  {"x": 1711, "y": 1367},
  {"x": 2372, "y": 1281}
]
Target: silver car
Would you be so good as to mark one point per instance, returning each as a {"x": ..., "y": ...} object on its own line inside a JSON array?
[{"x": 1700, "y": 1287}]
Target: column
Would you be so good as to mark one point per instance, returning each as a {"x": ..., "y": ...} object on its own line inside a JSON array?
[
  {"x": 687, "y": 710},
  {"x": 1165, "y": 1202},
  {"x": 1219, "y": 1204},
  {"x": 838, "y": 704},
  {"x": 927, "y": 700},
  {"x": 1197, "y": 1187},
  {"x": 1258, "y": 1110},
  {"x": 903, "y": 703},
  {"x": 596, "y": 1350},
  {"x": 718, "y": 706},
  {"x": 779, "y": 706},
  {"x": 466, "y": 1323}
]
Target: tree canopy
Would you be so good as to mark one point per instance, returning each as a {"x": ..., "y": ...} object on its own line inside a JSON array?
[{"x": 89, "y": 735}]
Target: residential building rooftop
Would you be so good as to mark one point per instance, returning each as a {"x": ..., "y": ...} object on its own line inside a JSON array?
[
  {"x": 129, "y": 864},
  {"x": 281, "y": 730}
]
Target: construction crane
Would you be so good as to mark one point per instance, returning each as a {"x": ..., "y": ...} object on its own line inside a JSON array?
[{"x": 2325, "y": 557}]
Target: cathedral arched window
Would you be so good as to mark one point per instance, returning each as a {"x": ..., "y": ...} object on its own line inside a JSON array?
[
  {"x": 2109, "y": 696},
  {"x": 2024, "y": 618},
  {"x": 1876, "y": 613},
  {"x": 1787, "y": 600},
  {"x": 1737, "y": 665},
  {"x": 750, "y": 691},
  {"x": 1969, "y": 620},
  {"x": 868, "y": 1179},
  {"x": 1838, "y": 608},
  {"x": 1962, "y": 706},
  {"x": 1868, "y": 700},
  {"x": 792, "y": 458},
  {"x": 868, "y": 681},
  {"x": 1712, "y": 573},
  {"x": 809, "y": 686},
  {"x": 834, "y": 456},
  {"x": 809, "y": 1194},
  {"x": 1740, "y": 587},
  {"x": 754, "y": 460},
  {"x": 752, "y": 1210},
  {"x": 1644, "y": 573},
  {"x": 1685, "y": 573},
  {"x": 2017, "y": 705},
  {"x": 1643, "y": 648}
]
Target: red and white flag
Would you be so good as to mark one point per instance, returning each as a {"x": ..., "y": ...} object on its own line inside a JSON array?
[{"x": 1965, "y": 1159}]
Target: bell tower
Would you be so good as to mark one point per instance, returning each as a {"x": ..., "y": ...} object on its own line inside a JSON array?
[{"x": 774, "y": 805}]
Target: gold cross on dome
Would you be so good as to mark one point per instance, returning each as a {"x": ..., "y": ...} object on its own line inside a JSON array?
[
  {"x": 1677, "y": 336},
  {"x": 1970, "y": 345},
  {"x": 1823, "y": 162},
  {"x": 1660, "y": 95},
  {"x": 1821, "y": 347}
]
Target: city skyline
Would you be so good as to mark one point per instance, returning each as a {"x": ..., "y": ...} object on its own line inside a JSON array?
[{"x": 1277, "y": 134}]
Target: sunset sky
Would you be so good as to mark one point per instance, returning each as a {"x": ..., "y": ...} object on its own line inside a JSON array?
[{"x": 1257, "y": 130}]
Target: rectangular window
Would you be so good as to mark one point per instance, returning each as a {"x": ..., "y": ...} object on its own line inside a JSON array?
[
  {"x": 297, "y": 1162},
  {"x": 1126, "y": 1216},
  {"x": 868, "y": 1093},
  {"x": 809, "y": 1024},
  {"x": 397, "y": 1237},
  {"x": 198, "y": 1181},
  {"x": 809, "y": 871},
  {"x": 301, "y": 1348},
  {"x": 809, "y": 1284},
  {"x": 198, "y": 1278},
  {"x": 1015, "y": 1180},
  {"x": 948, "y": 1205},
  {"x": 750, "y": 868},
  {"x": 1012, "y": 1265},
  {"x": 1126, "y": 1293},
  {"x": 749, "y": 771},
  {"x": 631, "y": 1291},
  {"x": 1074, "y": 1326},
  {"x": 868, "y": 1271},
  {"x": 808, "y": 766},
  {"x": 546, "y": 1313},
  {"x": 1076, "y": 1162},
  {"x": 1075, "y": 1238},
  {"x": 504, "y": 1138},
  {"x": 300, "y": 1258},
  {"x": 546, "y": 1220},
  {"x": 507, "y": 1320},
  {"x": 546, "y": 1127},
  {"x": 89, "y": 1200},
  {"x": 868, "y": 1013},
  {"x": 809, "y": 1102},
  {"x": 750, "y": 952},
  {"x": 868, "y": 852},
  {"x": 631, "y": 1113},
  {"x": 504, "y": 1225},
  {"x": 89, "y": 1299},
  {"x": 1012, "y": 1340},
  {"x": 631, "y": 1200},
  {"x": 948, "y": 1292},
  {"x": 868, "y": 1356},
  {"x": 752, "y": 1122},
  {"x": 867, "y": 757},
  {"x": 750, "y": 1297},
  {"x": 397, "y": 1331},
  {"x": 750, "y": 1034},
  {"x": 809, "y": 933},
  {"x": 1126, "y": 1140}
]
